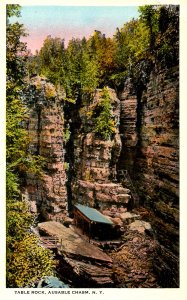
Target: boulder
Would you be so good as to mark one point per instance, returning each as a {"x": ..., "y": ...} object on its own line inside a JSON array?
[
  {"x": 117, "y": 221},
  {"x": 80, "y": 260},
  {"x": 128, "y": 217},
  {"x": 140, "y": 226}
]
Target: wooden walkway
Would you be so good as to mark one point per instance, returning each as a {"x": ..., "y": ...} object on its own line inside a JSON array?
[{"x": 50, "y": 242}]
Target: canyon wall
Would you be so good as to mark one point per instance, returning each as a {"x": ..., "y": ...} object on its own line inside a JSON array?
[
  {"x": 95, "y": 158},
  {"x": 46, "y": 193},
  {"x": 128, "y": 127},
  {"x": 150, "y": 136},
  {"x": 144, "y": 141}
]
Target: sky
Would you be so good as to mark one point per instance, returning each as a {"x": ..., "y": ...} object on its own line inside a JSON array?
[{"x": 72, "y": 21}]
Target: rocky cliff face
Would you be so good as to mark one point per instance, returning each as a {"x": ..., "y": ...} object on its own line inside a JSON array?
[
  {"x": 95, "y": 159},
  {"x": 150, "y": 131},
  {"x": 143, "y": 141},
  {"x": 128, "y": 126},
  {"x": 45, "y": 126}
]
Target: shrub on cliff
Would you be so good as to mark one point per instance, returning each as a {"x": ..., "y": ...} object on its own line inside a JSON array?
[{"x": 104, "y": 125}]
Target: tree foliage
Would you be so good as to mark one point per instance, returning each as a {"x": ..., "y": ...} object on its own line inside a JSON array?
[
  {"x": 101, "y": 50},
  {"x": 104, "y": 124},
  {"x": 26, "y": 260},
  {"x": 162, "y": 22},
  {"x": 131, "y": 45},
  {"x": 51, "y": 58},
  {"x": 98, "y": 61}
]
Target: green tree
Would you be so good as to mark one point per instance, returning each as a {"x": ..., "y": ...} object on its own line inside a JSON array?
[
  {"x": 150, "y": 14},
  {"x": 16, "y": 141},
  {"x": 104, "y": 124},
  {"x": 167, "y": 41},
  {"x": 81, "y": 70},
  {"x": 162, "y": 22},
  {"x": 26, "y": 260},
  {"x": 132, "y": 44},
  {"x": 33, "y": 64},
  {"x": 101, "y": 50},
  {"x": 73, "y": 68},
  {"x": 88, "y": 71},
  {"x": 51, "y": 58}
]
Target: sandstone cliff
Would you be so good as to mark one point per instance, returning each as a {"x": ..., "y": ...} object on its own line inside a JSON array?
[
  {"x": 45, "y": 126},
  {"x": 143, "y": 140},
  {"x": 95, "y": 159},
  {"x": 150, "y": 132}
]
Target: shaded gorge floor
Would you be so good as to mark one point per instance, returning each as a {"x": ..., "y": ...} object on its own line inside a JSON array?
[{"x": 127, "y": 264}]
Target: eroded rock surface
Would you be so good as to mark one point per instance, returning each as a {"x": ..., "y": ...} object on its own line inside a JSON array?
[
  {"x": 95, "y": 160},
  {"x": 45, "y": 127},
  {"x": 150, "y": 152},
  {"x": 134, "y": 260},
  {"x": 101, "y": 195},
  {"x": 144, "y": 142}
]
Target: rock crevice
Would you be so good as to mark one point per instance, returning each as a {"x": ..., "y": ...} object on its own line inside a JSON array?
[{"x": 143, "y": 139}]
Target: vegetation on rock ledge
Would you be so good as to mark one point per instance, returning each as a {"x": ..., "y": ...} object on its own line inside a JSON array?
[{"x": 104, "y": 125}]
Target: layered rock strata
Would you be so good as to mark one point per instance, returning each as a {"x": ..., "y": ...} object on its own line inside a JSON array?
[
  {"x": 147, "y": 124},
  {"x": 128, "y": 126},
  {"x": 158, "y": 151},
  {"x": 95, "y": 160},
  {"x": 45, "y": 127},
  {"x": 101, "y": 195},
  {"x": 154, "y": 160}
]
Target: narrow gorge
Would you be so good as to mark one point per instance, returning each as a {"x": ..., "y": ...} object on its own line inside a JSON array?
[
  {"x": 93, "y": 153},
  {"x": 83, "y": 168}
]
